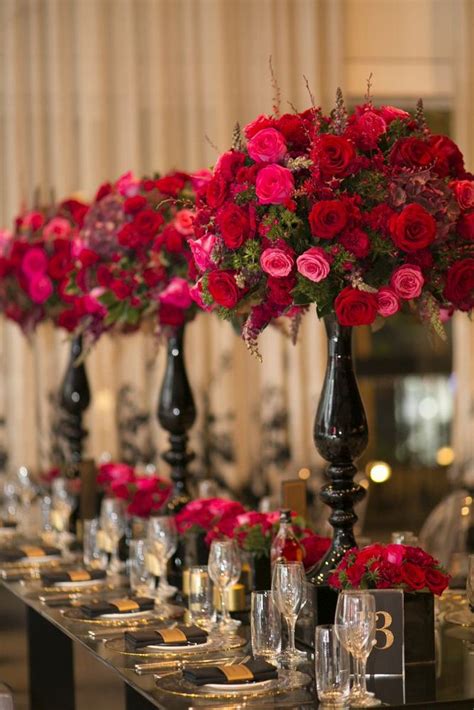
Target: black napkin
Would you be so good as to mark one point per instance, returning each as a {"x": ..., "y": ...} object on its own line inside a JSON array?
[
  {"x": 49, "y": 579},
  {"x": 202, "y": 675},
  {"x": 193, "y": 635},
  {"x": 13, "y": 554},
  {"x": 117, "y": 606},
  {"x": 7, "y": 523}
]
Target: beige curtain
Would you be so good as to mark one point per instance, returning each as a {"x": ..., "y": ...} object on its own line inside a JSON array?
[{"x": 91, "y": 88}]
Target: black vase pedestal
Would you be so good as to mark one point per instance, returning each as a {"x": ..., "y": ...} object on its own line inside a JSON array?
[{"x": 74, "y": 399}]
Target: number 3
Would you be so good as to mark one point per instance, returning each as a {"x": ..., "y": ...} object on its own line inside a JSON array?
[{"x": 385, "y": 629}]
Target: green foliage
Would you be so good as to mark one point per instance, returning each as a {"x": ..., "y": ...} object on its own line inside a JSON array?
[
  {"x": 248, "y": 257},
  {"x": 307, "y": 291},
  {"x": 369, "y": 184},
  {"x": 397, "y": 129},
  {"x": 246, "y": 196},
  {"x": 257, "y": 542}
]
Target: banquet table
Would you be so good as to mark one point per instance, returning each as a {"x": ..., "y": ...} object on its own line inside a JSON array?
[{"x": 51, "y": 639}]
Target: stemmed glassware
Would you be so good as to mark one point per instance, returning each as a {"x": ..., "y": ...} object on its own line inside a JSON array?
[
  {"x": 288, "y": 586},
  {"x": 112, "y": 523},
  {"x": 470, "y": 584},
  {"x": 140, "y": 577},
  {"x": 355, "y": 627},
  {"x": 200, "y": 596},
  {"x": 62, "y": 504},
  {"x": 225, "y": 567},
  {"x": 162, "y": 537},
  {"x": 26, "y": 491}
]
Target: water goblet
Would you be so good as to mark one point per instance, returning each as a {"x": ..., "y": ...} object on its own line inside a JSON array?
[
  {"x": 332, "y": 668},
  {"x": 141, "y": 579},
  {"x": 289, "y": 592},
  {"x": 93, "y": 555},
  {"x": 62, "y": 504},
  {"x": 162, "y": 536},
  {"x": 265, "y": 625},
  {"x": 225, "y": 567},
  {"x": 200, "y": 596},
  {"x": 112, "y": 523},
  {"x": 355, "y": 628}
]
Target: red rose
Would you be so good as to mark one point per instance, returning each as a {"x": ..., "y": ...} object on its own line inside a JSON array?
[
  {"x": 413, "y": 576},
  {"x": 413, "y": 229},
  {"x": 134, "y": 204},
  {"x": 449, "y": 159},
  {"x": 412, "y": 153},
  {"x": 279, "y": 290},
  {"x": 355, "y": 574},
  {"x": 216, "y": 191},
  {"x": 59, "y": 265},
  {"x": 436, "y": 581},
  {"x": 327, "y": 218},
  {"x": 76, "y": 209},
  {"x": 333, "y": 155},
  {"x": 171, "y": 315},
  {"x": 294, "y": 129},
  {"x": 173, "y": 240},
  {"x": 104, "y": 190},
  {"x": 354, "y": 307},
  {"x": 459, "y": 289},
  {"x": 466, "y": 226},
  {"x": 260, "y": 122},
  {"x": 357, "y": 242},
  {"x": 223, "y": 288},
  {"x": 233, "y": 222},
  {"x": 147, "y": 223},
  {"x": 120, "y": 289},
  {"x": 464, "y": 192},
  {"x": 229, "y": 163},
  {"x": 170, "y": 184}
]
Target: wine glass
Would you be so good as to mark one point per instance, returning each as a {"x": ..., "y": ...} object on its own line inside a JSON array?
[
  {"x": 140, "y": 577},
  {"x": 162, "y": 536},
  {"x": 355, "y": 628},
  {"x": 225, "y": 567},
  {"x": 62, "y": 504},
  {"x": 288, "y": 587},
  {"x": 26, "y": 491},
  {"x": 112, "y": 523}
]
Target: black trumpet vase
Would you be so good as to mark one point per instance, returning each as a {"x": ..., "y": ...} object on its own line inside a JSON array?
[
  {"x": 341, "y": 435},
  {"x": 176, "y": 414},
  {"x": 74, "y": 398}
]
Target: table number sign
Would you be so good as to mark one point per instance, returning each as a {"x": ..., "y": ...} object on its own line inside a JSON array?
[{"x": 388, "y": 654}]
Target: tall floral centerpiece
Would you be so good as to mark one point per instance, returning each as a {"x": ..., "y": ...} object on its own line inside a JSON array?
[
  {"x": 36, "y": 260},
  {"x": 137, "y": 262},
  {"x": 362, "y": 215}
]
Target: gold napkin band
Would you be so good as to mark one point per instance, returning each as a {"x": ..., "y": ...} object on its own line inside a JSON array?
[
  {"x": 124, "y": 604},
  {"x": 172, "y": 635},
  {"x": 238, "y": 672},
  {"x": 79, "y": 575},
  {"x": 32, "y": 551}
]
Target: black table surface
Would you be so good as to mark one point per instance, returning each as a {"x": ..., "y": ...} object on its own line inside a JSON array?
[{"x": 452, "y": 683}]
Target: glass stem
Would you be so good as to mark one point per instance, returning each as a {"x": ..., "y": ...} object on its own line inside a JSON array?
[
  {"x": 224, "y": 612},
  {"x": 362, "y": 676},
  {"x": 356, "y": 688},
  {"x": 291, "y": 621}
]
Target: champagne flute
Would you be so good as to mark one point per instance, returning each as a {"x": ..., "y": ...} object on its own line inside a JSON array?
[
  {"x": 288, "y": 587},
  {"x": 355, "y": 628},
  {"x": 112, "y": 523},
  {"x": 62, "y": 503},
  {"x": 225, "y": 567},
  {"x": 162, "y": 536}
]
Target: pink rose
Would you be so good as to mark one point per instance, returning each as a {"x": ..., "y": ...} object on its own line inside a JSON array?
[
  {"x": 267, "y": 146},
  {"x": 32, "y": 221},
  {"x": 407, "y": 281},
  {"x": 176, "y": 293},
  {"x": 464, "y": 193},
  {"x": 5, "y": 241},
  {"x": 201, "y": 250},
  {"x": 196, "y": 294},
  {"x": 276, "y": 262},
  {"x": 313, "y": 264},
  {"x": 127, "y": 184},
  {"x": 34, "y": 262},
  {"x": 395, "y": 554},
  {"x": 388, "y": 302},
  {"x": 200, "y": 178},
  {"x": 40, "y": 288},
  {"x": 184, "y": 222},
  {"x": 274, "y": 185},
  {"x": 57, "y": 228}
]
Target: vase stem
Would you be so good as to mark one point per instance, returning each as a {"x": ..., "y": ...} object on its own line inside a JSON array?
[
  {"x": 341, "y": 435},
  {"x": 74, "y": 399},
  {"x": 176, "y": 414}
]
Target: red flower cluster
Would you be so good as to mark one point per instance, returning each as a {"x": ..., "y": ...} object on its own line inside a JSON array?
[
  {"x": 143, "y": 494},
  {"x": 35, "y": 264},
  {"x": 205, "y": 513},
  {"x": 136, "y": 258},
  {"x": 359, "y": 214},
  {"x": 389, "y": 566}
]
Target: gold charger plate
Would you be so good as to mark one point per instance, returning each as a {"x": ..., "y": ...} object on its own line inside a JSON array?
[
  {"x": 162, "y": 613},
  {"x": 176, "y": 684},
  {"x": 219, "y": 644}
]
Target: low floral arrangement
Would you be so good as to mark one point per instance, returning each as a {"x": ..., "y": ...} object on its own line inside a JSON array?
[
  {"x": 362, "y": 214},
  {"x": 390, "y": 566},
  {"x": 204, "y": 514},
  {"x": 35, "y": 263},
  {"x": 254, "y": 532},
  {"x": 143, "y": 494},
  {"x": 137, "y": 258}
]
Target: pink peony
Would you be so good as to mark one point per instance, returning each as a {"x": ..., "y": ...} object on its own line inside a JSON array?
[
  {"x": 127, "y": 184},
  {"x": 313, "y": 264},
  {"x": 57, "y": 228},
  {"x": 34, "y": 263},
  {"x": 267, "y": 146},
  {"x": 201, "y": 250},
  {"x": 276, "y": 262},
  {"x": 388, "y": 302},
  {"x": 274, "y": 185},
  {"x": 40, "y": 288},
  {"x": 184, "y": 222},
  {"x": 176, "y": 293},
  {"x": 407, "y": 281}
]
